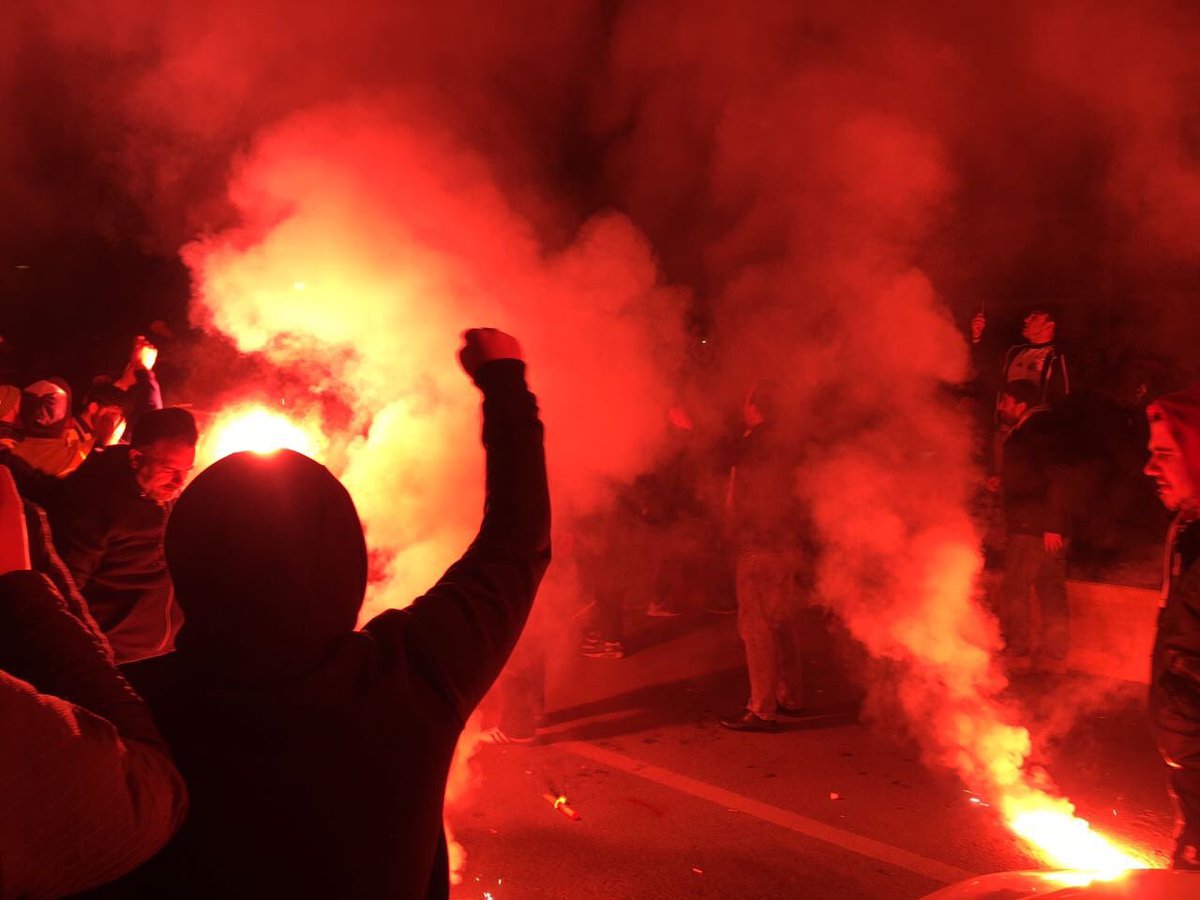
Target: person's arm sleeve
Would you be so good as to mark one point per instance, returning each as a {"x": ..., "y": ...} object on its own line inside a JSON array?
[
  {"x": 463, "y": 630},
  {"x": 1058, "y": 381},
  {"x": 1058, "y": 484},
  {"x": 43, "y": 643},
  {"x": 88, "y": 790},
  {"x": 144, "y": 395},
  {"x": 81, "y": 529},
  {"x": 33, "y": 484},
  {"x": 44, "y": 558}
]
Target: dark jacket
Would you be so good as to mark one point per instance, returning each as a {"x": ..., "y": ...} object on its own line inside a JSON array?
[
  {"x": 1175, "y": 666},
  {"x": 317, "y": 755},
  {"x": 1179, "y": 622},
  {"x": 87, "y": 788},
  {"x": 764, "y": 511},
  {"x": 1032, "y": 476},
  {"x": 1043, "y": 366},
  {"x": 110, "y": 538}
]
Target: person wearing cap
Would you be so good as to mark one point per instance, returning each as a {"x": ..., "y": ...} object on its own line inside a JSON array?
[
  {"x": 50, "y": 444},
  {"x": 108, "y": 520},
  {"x": 1174, "y": 464},
  {"x": 316, "y": 754}
]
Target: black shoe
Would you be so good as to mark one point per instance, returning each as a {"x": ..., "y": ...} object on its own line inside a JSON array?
[
  {"x": 794, "y": 711},
  {"x": 720, "y": 610},
  {"x": 748, "y": 721}
]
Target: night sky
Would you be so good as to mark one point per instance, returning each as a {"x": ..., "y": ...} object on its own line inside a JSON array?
[{"x": 1066, "y": 144}]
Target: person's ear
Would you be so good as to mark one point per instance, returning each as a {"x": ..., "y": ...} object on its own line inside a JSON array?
[{"x": 136, "y": 459}]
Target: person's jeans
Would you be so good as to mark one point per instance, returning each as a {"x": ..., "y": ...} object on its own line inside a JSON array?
[
  {"x": 1028, "y": 565},
  {"x": 1175, "y": 711},
  {"x": 768, "y": 622}
]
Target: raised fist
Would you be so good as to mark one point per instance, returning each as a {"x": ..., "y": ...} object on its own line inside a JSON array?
[
  {"x": 145, "y": 354},
  {"x": 978, "y": 324},
  {"x": 482, "y": 345}
]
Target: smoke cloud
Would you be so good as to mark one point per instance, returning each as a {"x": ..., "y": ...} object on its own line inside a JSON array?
[
  {"x": 832, "y": 156},
  {"x": 368, "y": 240}
]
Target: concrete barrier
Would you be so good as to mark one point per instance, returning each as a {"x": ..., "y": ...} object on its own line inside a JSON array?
[{"x": 1112, "y": 629}]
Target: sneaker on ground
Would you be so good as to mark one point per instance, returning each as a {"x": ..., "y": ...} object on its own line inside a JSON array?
[
  {"x": 720, "y": 610},
  {"x": 603, "y": 649},
  {"x": 660, "y": 610},
  {"x": 748, "y": 721},
  {"x": 498, "y": 735}
]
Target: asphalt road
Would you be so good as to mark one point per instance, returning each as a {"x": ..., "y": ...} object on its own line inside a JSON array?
[{"x": 673, "y": 805}]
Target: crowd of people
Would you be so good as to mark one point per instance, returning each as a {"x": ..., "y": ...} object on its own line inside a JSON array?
[
  {"x": 252, "y": 742},
  {"x": 192, "y": 711}
]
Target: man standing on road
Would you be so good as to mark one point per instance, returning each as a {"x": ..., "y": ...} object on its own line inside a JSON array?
[
  {"x": 1035, "y": 518},
  {"x": 767, "y": 534},
  {"x": 1174, "y": 464}
]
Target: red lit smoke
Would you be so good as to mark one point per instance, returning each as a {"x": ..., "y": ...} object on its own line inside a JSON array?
[
  {"x": 369, "y": 238},
  {"x": 357, "y": 182}
]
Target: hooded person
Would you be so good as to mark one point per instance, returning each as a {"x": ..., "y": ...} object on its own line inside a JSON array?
[
  {"x": 1174, "y": 464},
  {"x": 51, "y": 444},
  {"x": 316, "y": 755}
]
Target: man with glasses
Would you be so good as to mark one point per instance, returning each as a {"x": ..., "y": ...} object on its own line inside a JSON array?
[{"x": 108, "y": 527}]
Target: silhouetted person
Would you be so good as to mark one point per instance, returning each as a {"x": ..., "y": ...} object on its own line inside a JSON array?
[
  {"x": 87, "y": 788},
  {"x": 1174, "y": 464},
  {"x": 108, "y": 521},
  {"x": 316, "y": 755},
  {"x": 766, "y": 532},
  {"x": 1035, "y": 519}
]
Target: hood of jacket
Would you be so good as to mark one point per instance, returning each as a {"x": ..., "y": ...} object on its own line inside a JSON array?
[{"x": 269, "y": 563}]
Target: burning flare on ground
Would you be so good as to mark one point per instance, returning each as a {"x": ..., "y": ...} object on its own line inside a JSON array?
[{"x": 1050, "y": 826}]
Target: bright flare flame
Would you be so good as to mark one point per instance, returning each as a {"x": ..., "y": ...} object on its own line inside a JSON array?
[
  {"x": 1065, "y": 840},
  {"x": 257, "y": 429},
  {"x": 975, "y": 730}
]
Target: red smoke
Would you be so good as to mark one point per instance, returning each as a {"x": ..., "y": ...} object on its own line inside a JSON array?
[{"x": 358, "y": 182}]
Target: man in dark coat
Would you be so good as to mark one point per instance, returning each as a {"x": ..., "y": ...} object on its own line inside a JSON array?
[
  {"x": 316, "y": 755},
  {"x": 87, "y": 788},
  {"x": 108, "y": 520},
  {"x": 1174, "y": 464},
  {"x": 1035, "y": 517}
]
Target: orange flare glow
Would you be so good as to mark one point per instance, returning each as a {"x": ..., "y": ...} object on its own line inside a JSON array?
[
  {"x": 1067, "y": 841},
  {"x": 259, "y": 430}
]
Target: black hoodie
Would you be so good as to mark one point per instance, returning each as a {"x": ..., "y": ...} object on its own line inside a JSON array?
[
  {"x": 317, "y": 755},
  {"x": 110, "y": 537}
]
